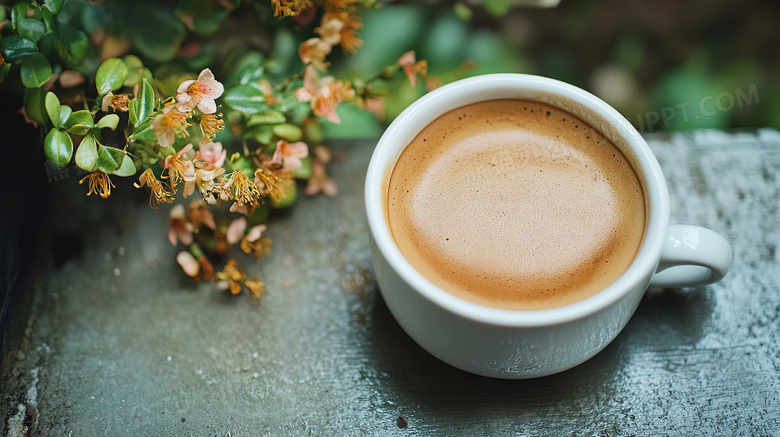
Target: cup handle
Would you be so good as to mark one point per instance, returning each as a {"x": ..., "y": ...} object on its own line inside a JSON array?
[{"x": 691, "y": 255}]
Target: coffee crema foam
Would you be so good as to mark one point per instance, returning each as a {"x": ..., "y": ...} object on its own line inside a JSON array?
[{"x": 515, "y": 204}]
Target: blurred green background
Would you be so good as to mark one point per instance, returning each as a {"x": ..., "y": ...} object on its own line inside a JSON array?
[{"x": 664, "y": 64}]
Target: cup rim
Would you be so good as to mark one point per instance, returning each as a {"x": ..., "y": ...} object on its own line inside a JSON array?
[{"x": 656, "y": 194}]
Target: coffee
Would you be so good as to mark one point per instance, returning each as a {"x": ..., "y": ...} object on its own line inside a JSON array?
[{"x": 515, "y": 204}]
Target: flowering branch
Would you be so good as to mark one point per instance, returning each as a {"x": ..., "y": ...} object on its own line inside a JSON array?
[{"x": 232, "y": 142}]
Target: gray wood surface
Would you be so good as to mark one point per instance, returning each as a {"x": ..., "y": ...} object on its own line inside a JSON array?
[{"x": 120, "y": 343}]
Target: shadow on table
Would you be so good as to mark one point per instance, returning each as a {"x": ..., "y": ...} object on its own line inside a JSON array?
[{"x": 665, "y": 319}]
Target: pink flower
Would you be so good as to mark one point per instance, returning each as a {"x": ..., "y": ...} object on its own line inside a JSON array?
[
  {"x": 180, "y": 229},
  {"x": 212, "y": 154},
  {"x": 178, "y": 167},
  {"x": 320, "y": 182},
  {"x": 313, "y": 51},
  {"x": 407, "y": 61},
  {"x": 236, "y": 231},
  {"x": 208, "y": 166},
  {"x": 200, "y": 93},
  {"x": 323, "y": 94},
  {"x": 188, "y": 263},
  {"x": 168, "y": 125},
  {"x": 255, "y": 233},
  {"x": 255, "y": 243},
  {"x": 198, "y": 214},
  {"x": 289, "y": 155},
  {"x": 203, "y": 178}
]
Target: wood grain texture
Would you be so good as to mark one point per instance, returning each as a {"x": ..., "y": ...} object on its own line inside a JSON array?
[{"x": 147, "y": 353}]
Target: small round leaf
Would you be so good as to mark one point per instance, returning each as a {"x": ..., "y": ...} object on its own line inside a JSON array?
[
  {"x": 110, "y": 75},
  {"x": 54, "y": 5},
  {"x": 109, "y": 159},
  {"x": 53, "y": 108},
  {"x": 109, "y": 121},
  {"x": 31, "y": 28},
  {"x": 71, "y": 44},
  {"x": 35, "y": 70},
  {"x": 65, "y": 112},
  {"x": 79, "y": 122},
  {"x": 35, "y": 104},
  {"x": 86, "y": 154},
  {"x": 15, "y": 48},
  {"x": 127, "y": 168},
  {"x": 288, "y": 131},
  {"x": 268, "y": 116},
  {"x": 245, "y": 98},
  {"x": 289, "y": 196},
  {"x": 58, "y": 147}
]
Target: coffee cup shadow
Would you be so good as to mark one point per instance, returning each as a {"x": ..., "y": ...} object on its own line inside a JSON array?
[{"x": 664, "y": 319}]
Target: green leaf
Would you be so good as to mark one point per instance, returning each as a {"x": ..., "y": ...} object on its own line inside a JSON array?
[
  {"x": 355, "y": 123},
  {"x": 35, "y": 104},
  {"x": 237, "y": 63},
  {"x": 135, "y": 68},
  {"x": 71, "y": 44},
  {"x": 156, "y": 33},
  {"x": 58, "y": 147},
  {"x": 109, "y": 159},
  {"x": 127, "y": 168},
  {"x": 86, "y": 154},
  {"x": 306, "y": 170},
  {"x": 65, "y": 112},
  {"x": 143, "y": 133},
  {"x": 250, "y": 73},
  {"x": 2, "y": 14},
  {"x": 248, "y": 99},
  {"x": 15, "y": 48},
  {"x": 269, "y": 116},
  {"x": 4, "y": 70},
  {"x": 289, "y": 196},
  {"x": 80, "y": 122},
  {"x": 288, "y": 131},
  {"x": 145, "y": 154},
  {"x": 168, "y": 77},
  {"x": 313, "y": 133},
  {"x": 202, "y": 16},
  {"x": 263, "y": 134},
  {"x": 142, "y": 106},
  {"x": 54, "y": 5},
  {"x": 53, "y": 108},
  {"x": 49, "y": 20},
  {"x": 109, "y": 121},
  {"x": 95, "y": 16},
  {"x": 110, "y": 75},
  {"x": 18, "y": 12},
  {"x": 497, "y": 7},
  {"x": 31, "y": 28},
  {"x": 462, "y": 11},
  {"x": 35, "y": 70}
]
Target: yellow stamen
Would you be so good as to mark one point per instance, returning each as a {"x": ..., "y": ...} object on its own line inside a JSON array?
[
  {"x": 256, "y": 289},
  {"x": 260, "y": 247},
  {"x": 99, "y": 183},
  {"x": 175, "y": 120},
  {"x": 175, "y": 169},
  {"x": 233, "y": 275},
  {"x": 159, "y": 193},
  {"x": 290, "y": 8},
  {"x": 210, "y": 124},
  {"x": 273, "y": 185},
  {"x": 244, "y": 191}
]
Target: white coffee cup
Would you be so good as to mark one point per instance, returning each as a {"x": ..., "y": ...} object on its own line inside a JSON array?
[{"x": 525, "y": 344}]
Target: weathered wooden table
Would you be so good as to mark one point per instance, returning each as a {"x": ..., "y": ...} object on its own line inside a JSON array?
[{"x": 120, "y": 343}]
